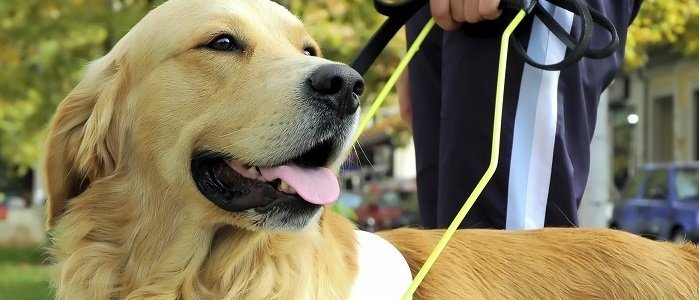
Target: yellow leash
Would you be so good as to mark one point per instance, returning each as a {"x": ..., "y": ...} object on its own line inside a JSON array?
[
  {"x": 494, "y": 155},
  {"x": 495, "y": 151},
  {"x": 393, "y": 79}
]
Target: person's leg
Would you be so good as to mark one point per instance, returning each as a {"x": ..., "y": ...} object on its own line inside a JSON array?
[
  {"x": 535, "y": 131},
  {"x": 555, "y": 120},
  {"x": 425, "y": 94},
  {"x": 548, "y": 120},
  {"x": 579, "y": 90},
  {"x": 470, "y": 61}
]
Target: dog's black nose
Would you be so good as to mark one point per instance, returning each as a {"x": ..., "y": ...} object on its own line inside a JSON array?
[{"x": 338, "y": 86}]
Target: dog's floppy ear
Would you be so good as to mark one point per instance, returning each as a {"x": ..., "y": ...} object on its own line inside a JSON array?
[{"x": 86, "y": 135}]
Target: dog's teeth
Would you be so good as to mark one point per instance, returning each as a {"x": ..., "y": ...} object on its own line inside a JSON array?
[
  {"x": 283, "y": 186},
  {"x": 286, "y": 188}
]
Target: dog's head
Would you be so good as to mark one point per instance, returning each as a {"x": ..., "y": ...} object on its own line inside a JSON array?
[{"x": 223, "y": 107}]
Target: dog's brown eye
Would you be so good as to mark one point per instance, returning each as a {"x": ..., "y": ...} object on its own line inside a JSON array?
[
  {"x": 308, "y": 51},
  {"x": 223, "y": 43}
]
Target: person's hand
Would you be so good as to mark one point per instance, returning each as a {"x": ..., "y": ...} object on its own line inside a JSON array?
[{"x": 450, "y": 14}]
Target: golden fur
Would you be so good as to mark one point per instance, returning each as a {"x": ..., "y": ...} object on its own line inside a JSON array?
[
  {"x": 128, "y": 222},
  {"x": 551, "y": 263}
]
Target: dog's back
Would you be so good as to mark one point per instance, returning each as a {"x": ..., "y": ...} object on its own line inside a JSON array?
[{"x": 552, "y": 263}]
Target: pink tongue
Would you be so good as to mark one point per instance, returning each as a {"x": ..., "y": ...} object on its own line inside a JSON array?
[{"x": 318, "y": 186}]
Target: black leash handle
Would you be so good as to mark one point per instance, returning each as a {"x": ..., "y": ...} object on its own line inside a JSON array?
[
  {"x": 589, "y": 17},
  {"x": 398, "y": 14}
]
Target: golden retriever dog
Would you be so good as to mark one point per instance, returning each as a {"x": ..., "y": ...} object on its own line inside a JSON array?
[{"x": 194, "y": 161}]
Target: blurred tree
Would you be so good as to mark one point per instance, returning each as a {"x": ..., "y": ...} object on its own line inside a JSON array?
[
  {"x": 663, "y": 25},
  {"x": 44, "y": 45}
]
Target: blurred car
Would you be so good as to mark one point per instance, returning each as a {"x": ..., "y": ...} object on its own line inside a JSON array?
[
  {"x": 661, "y": 201},
  {"x": 3, "y": 210},
  {"x": 394, "y": 208}
]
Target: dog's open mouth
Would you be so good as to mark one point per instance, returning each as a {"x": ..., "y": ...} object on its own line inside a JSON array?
[{"x": 235, "y": 187}]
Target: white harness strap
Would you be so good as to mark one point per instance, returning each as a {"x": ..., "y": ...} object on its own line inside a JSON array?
[{"x": 383, "y": 272}]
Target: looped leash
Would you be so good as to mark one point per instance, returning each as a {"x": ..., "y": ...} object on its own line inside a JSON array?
[{"x": 577, "y": 49}]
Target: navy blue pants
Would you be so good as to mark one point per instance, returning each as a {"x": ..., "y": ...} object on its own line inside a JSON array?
[{"x": 548, "y": 120}]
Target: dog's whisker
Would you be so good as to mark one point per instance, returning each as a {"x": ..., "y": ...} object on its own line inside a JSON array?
[
  {"x": 264, "y": 133},
  {"x": 358, "y": 161},
  {"x": 239, "y": 130},
  {"x": 351, "y": 161},
  {"x": 365, "y": 156},
  {"x": 234, "y": 132},
  {"x": 242, "y": 129},
  {"x": 564, "y": 215}
]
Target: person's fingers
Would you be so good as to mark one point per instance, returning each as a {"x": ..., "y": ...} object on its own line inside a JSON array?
[
  {"x": 488, "y": 9},
  {"x": 471, "y": 12},
  {"x": 449, "y": 14},
  {"x": 441, "y": 13},
  {"x": 457, "y": 11}
]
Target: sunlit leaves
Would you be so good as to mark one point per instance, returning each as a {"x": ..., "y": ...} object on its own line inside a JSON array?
[
  {"x": 663, "y": 25},
  {"x": 44, "y": 45}
]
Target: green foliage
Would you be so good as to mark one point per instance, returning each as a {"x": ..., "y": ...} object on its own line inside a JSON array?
[
  {"x": 23, "y": 275},
  {"x": 661, "y": 25},
  {"x": 44, "y": 45}
]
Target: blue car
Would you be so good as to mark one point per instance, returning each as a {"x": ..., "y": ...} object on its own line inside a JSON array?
[{"x": 661, "y": 202}]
